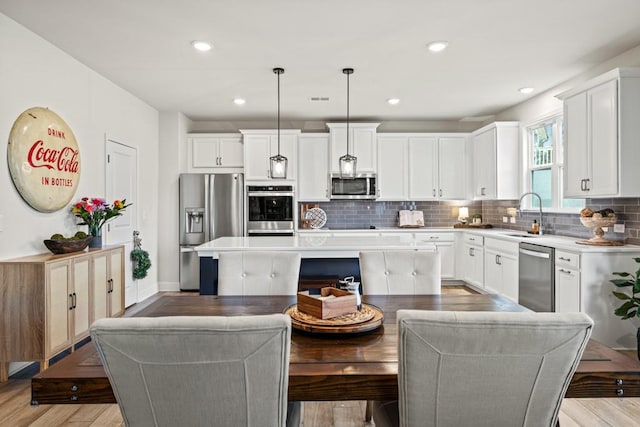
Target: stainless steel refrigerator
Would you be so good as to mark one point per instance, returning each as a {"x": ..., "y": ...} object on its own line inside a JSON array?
[{"x": 211, "y": 206}]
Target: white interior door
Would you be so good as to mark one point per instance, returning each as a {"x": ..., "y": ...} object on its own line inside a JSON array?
[{"x": 122, "y": 183}]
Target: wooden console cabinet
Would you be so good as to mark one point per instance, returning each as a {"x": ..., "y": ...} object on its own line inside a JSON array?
[{"x": 48, "y": 302}]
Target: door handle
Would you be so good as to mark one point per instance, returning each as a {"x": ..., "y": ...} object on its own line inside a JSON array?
[
  {"x": 440, "y": 192},
  {"x": 586, "y": 184},
  {"x": 433, "y": 192},
  {"x": 535, "y": 254},
  {"x": 70, "y": 301}
]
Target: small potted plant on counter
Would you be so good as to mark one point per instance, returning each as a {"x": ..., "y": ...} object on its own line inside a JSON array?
[{"x": 630, "y": 308}]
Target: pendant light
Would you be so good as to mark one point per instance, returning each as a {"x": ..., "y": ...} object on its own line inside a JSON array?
[
  {"x": 278, "y": 163},
  {"x": 348, "y": 162}
]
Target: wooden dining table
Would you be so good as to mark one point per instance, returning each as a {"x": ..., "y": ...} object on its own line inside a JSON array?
[{"x": 330, "y": 366}]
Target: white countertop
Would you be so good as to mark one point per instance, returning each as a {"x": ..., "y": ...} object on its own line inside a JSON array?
[
  {"x": 312, "y": 246},
  {"x": 557, "y": 242},
  {"x": 324, "y": 243}
]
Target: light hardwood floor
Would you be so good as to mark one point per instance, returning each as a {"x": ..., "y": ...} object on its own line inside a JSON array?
[{"x": 15, "y": 410}]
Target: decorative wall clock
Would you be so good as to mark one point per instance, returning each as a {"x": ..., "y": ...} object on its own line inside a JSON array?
[{"x": 44, "y": 159}]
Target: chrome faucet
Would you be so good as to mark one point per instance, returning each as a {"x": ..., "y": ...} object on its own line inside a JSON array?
[{"x": 539, "y": 206}]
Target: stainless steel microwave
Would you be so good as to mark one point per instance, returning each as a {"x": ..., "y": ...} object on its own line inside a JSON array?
[{"x": 363, "y": 186}]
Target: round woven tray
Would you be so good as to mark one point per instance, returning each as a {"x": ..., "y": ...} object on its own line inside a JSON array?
[{"x": 367, "y": 319}]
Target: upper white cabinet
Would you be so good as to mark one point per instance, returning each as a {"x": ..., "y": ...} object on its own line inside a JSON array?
[
  {"x": 260, "y": 145},
  {"x": 421, "y": 166},
  {"x": 313, "y": 167},
  {"x": 433, "y": 167},
  {"x": 362, "y": 144},
  {"x": 393, "y": 167},
  {"x": 495, "y": 161},
  {"x": 211, "y": 151},
  {"x": 601, "y": 136}
]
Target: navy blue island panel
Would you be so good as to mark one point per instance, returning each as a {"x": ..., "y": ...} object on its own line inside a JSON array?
[{"x": 310, "y": 268}]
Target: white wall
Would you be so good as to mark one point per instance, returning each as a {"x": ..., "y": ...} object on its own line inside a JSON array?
[
  {"x": 173, "y": 152},
  {"x": 546, "y": 102},
  {"x": 33, "y": 73}
]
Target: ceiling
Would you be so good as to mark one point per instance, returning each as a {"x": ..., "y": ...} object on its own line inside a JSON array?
[{"x": 495, "y": 48}]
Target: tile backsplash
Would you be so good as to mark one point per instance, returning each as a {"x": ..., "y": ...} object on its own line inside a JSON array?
[
  {"x": 627, "y": 212},
  {"x": 362, "y": 214},
  {"x": 359, "y": 214}
]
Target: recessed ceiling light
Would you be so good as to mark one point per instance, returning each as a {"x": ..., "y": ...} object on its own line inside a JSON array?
[
  {"x": 393, "y": 101},
  {"x": 438, "y": 46},
  {"x": 239, "y": 101},
  {"x": 525, "y": 90},
  {"x": 201, "y": 46}
]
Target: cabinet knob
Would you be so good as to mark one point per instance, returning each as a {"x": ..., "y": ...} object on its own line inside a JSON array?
[
  {"x": 440, "y": 192},
  {"x": 483, "y": 191}
]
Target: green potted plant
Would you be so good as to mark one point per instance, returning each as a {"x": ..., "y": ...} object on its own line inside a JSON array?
[{"x": 630, "y": 308}]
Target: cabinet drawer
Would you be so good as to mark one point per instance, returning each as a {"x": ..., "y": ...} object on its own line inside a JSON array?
[
  {"x": 501, "y": 246},
  {"x": 568, "y": 259},
  {"x": 435, "y": 237},
  {"x": 473, "y": 239}
]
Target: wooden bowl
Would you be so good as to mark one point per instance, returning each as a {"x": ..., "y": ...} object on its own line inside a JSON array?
[{"x": 67, "y": 246}]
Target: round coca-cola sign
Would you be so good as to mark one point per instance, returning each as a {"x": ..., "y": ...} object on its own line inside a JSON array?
[{"x": 44, "y": 159}]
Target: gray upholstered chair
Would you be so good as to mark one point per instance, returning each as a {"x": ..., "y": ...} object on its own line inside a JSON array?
[
  {"x": 197, "y": 371},
  {"x": 396, "y": 273},
  {"x": 400, "y": 272},
  {"x": 483, "y": 368},
  {"x": 258, "y": 273}
]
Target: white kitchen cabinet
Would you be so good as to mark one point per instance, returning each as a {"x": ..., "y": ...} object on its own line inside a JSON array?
[
  {"x": 495, "y": 161},
  {"x": 445, "y": 245},
  {"x": 362, "y": 144},
  {"x": 600, "y": 136},
  {"x": 434, "y": 171},
  {"x": 209, "y": 152},
  {"x": 313, "y": 167},
  {"x": 393, "y": 167},
  {"x": 422, "y": 166},
  {"x": 473, "y": 260},
  {"x": 501, "y": 267},
  {"x": 567, "y": 277},
  {"x": 260, "y": 145}
]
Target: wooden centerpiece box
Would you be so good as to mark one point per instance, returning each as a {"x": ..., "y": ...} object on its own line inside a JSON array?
[{"x": 331, "y": 302}]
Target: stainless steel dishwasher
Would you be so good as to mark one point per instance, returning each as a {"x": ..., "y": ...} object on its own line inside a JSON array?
[{"x": 536, "y": 284}]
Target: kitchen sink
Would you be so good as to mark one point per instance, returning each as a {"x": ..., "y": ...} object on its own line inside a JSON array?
[{"x": 521, "y": 235}]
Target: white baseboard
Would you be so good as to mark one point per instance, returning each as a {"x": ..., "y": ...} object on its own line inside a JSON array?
[{"x": 169, "y": 286}]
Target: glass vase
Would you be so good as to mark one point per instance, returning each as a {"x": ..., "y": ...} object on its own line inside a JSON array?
[{"x": 96, "y": 233}]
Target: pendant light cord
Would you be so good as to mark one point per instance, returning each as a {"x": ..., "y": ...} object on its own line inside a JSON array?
[
  {"x": 278, "y": 113},
  {"x": 348, "y": 113},
  {"x": 348, "y": 72}
]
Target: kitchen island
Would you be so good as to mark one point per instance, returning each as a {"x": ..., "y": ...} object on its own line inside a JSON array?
[{"x": 322, "y": 255}]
